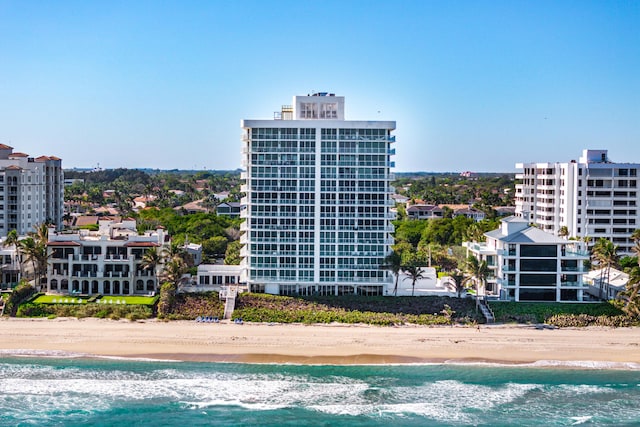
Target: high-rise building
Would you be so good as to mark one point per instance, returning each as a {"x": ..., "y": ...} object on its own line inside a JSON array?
[
  {"x": 318, "y": 198},
  {"x": 592, "y": 197},
  {"x": 31, "y": 191}
]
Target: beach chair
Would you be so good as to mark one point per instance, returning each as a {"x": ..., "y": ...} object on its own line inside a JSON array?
[
  {"x": 198, "y": 319},
  {"x": 216, "y": 320}
]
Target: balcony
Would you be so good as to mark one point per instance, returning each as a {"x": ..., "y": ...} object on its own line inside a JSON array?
[
  {"x": 572, "y": 254},
  {"x": 506, "y": 283},
  {"x": 573, "y": 284}
]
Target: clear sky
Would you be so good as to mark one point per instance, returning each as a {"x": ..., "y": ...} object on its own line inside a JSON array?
[{"x": 473, "y": 85}]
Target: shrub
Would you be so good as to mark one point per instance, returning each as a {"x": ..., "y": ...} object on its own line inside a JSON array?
[
  {"x": 167, "y": 299},
  {"x": 540, "y": 312},
  {"x": 583, "y": 320},
  {"x": 354, "y": 309},
  {"x": 21, "y": 293}
]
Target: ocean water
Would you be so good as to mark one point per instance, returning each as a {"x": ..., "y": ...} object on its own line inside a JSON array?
[{"x": 75, "y": 391}]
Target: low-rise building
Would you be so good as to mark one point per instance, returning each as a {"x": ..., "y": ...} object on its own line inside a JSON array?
[
  {"x": 219, "y": 274},
  {"x": 603, "y": 284},
  {"x": 228, "y": 209},
  {"x": 528, "y": 264},
  {"x": 108, "y": 261},
  {"x": 195, "y": 252},
  {"x": 472, "y": 213},
  {"x": 424, "y": 212}
]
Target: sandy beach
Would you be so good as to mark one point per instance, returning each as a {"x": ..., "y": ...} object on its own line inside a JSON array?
[{"x": 334, "y": 344}]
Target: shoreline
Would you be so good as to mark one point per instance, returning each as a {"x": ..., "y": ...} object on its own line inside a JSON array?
[{"x": 319, "y": 344}]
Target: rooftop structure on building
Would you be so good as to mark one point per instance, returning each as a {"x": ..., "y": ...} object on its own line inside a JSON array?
[
  {"x": 108, "y": 261},
  {"x": 31, "y": 191},
  {"x": 528, "y": 264},
  {"x": 593, "y": 197},
  {"x": 318, "y": 198}
]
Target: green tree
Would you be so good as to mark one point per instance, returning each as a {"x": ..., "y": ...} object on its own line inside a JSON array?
[
  {"x": 606, "y": 255},
  {"x": 460, "y": 281},
  {"x": 563, "y": 232},
  {"x": 479, "y": 271},
  {"x": 173, "y": 270},
  {"x": 215, "y": 246},
  {"x": 631, "y": 295},
  {"x": 635, "y": 236},
  {"x": 152, "y": 260},
  {"x": 414, "y": 273},
  {"x": 35, "y": 252},
  {"x": 232, "y": 255},
  {"x": 393, "y": 263}
]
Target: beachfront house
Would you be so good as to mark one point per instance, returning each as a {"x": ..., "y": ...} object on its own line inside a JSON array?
[
  {"x": 108, "y": 261},
  {"x": 528, "y": 264},
  {"x": 606, "y": 284}
]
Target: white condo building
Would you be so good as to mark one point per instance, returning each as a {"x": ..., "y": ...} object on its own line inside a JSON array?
[
  {"x": 31, "y": 191},
  {"x": 318, "y": 198},
  {"x": 591, "y": 197}
]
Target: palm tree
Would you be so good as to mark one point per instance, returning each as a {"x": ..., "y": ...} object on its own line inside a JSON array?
[
  {"x": 635, "y": 236},
  {"x": 479, "y": 271},
  {"x": 393, "y": 263},
  {"x": 631, "y": 295},
  {"x": 414, "y": 272},
  {"x": 606, "y": 254},
  {"x": 151, "y": 260},
  {"x": 563, "y": 232},
  {"x": 173, "y": 271},
  {"x": 459, "y": 281},
  {"x": 29, "y": 249}
]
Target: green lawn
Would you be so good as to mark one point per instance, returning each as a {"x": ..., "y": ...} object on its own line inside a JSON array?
[
  {"x": 135, "y": 300},
  {"x": 106, "y": 300},
  {"x": 58, "y": 299}
]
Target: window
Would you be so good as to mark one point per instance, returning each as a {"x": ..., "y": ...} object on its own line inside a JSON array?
[
  {"x": 308, "y": 110},
  {"x": 329, "y": 110}
]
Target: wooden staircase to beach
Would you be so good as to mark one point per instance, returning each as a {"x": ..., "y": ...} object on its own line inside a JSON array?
[
  {"x": 229, "y": 295},
  {"x": 486, "y": 311}
]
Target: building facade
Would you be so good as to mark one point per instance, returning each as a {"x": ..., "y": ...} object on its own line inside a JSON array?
[
  {"x": 108, "y": 261},
  {"x": 9, "y": 266},
  {"x": 318, "y": 198},
  {"x": 31, "y": 191},
  {"x": 528, "y": 264},
  {"x": 590, "y": 197}
]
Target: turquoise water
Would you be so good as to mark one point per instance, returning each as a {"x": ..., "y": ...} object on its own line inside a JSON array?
[{"x": 45, "y": 391}]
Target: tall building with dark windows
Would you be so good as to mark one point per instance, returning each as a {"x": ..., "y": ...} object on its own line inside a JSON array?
[{"x": 317, "y": 206}]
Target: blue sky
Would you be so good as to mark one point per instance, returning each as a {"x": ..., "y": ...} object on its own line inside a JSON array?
[{"x": 473, "y": 85}]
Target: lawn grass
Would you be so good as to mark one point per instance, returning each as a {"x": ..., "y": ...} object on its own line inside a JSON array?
[
  {"x": 134, "y": 300},
  {"x": 58, "y": 299},
  {"x": 105, "y": 300}
]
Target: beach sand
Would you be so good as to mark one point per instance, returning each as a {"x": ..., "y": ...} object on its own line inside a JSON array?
[{"x": 319, "y": 344}]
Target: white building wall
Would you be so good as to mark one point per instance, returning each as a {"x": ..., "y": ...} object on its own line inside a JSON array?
[
  {"x": 592, "y": 197},
  {"x": 317, "y": 203}
]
